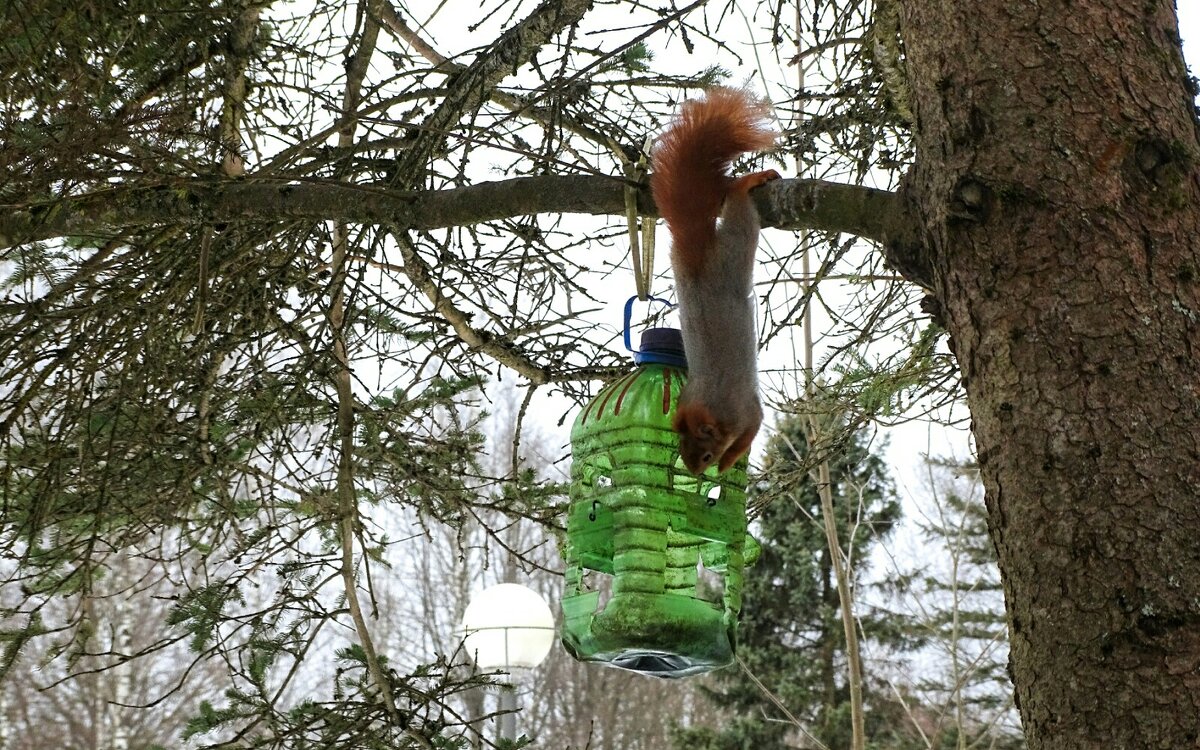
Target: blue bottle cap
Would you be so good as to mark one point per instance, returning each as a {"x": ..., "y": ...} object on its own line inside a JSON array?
[{"x": 661, "y": 346}]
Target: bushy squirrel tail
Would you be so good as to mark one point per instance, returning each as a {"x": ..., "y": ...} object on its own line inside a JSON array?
[{"x": 692, "y": 165}]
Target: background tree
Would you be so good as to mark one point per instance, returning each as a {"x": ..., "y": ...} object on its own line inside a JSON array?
[
  {"x": 120, "y": 688},
  {"x": 261, "y": 259},
  {"x": 791, "y": 686}
]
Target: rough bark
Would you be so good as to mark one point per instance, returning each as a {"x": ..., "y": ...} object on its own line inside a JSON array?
[{"x": 1057, "y": 185}]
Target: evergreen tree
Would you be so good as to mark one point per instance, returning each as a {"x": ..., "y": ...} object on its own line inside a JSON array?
[{"x": 791, "y": 635}]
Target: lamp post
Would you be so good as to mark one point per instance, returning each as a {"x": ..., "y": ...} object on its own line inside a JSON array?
[{"x": 508, "y": 627}]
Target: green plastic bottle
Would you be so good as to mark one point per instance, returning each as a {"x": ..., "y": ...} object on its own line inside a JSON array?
[{"x": 639, "y": 518}]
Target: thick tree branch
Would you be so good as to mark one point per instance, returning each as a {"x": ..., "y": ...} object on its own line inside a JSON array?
[
  {"x": 235, "y": 88},
  {"x": 392, "y": 19},
  {"x": 471, "y": 87},
  {"x": 877, "y": 215}
]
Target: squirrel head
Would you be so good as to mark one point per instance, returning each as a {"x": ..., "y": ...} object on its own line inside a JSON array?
[{"x": 702, "y": 441}]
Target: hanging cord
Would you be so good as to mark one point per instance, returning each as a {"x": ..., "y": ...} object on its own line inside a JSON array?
[{"x": 641, "y": 244}]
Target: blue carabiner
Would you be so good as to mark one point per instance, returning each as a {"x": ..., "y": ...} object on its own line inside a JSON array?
[{"x": 672, "y": 354}]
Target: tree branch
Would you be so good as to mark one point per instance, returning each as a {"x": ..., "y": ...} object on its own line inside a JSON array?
[
  {"x": 877, "y": 215},
  {"x": 392, "y": 19},
  {"x": 501, "y": 351},
  {"x": 235, "y": 88},
  {"x": 471, "y": 87},
  {"x": 348, "y": 516}
]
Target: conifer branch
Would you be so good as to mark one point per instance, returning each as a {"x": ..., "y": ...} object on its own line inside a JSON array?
[
  {"x": 472, "y": 86},
  {"x": 872, "y": 214},
  {"x": 394, "y": 22},
  {"x": 503, "y": 352}
]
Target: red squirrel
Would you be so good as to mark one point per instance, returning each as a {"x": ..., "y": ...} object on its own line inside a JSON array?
[{"x": 718, "y": 413}]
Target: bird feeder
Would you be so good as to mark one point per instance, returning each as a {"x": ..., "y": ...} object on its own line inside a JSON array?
[{"x": 643, "y": 522}]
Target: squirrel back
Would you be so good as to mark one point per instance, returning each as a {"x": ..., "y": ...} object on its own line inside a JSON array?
[
  {"x": 692, "y": 164},
  {"x": 718, "y": 412}
]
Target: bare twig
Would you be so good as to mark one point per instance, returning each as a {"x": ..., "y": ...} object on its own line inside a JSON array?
[
  {"x": 845, "y": 595},
  {"x": 518, "y": 424},
  {"x": 779, "y": 704},
  {"x": 822, "y": 478}
]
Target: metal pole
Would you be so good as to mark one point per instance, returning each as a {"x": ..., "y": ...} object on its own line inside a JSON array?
[{"x": 508, "y": 712}]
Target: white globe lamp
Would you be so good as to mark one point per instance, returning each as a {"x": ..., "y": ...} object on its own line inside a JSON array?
[{"x": 508, "y": 627}]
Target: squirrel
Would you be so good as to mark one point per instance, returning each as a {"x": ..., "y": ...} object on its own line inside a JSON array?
[{"x": 718, "y": 412}]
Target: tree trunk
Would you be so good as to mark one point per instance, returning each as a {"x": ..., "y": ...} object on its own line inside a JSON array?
[{"x": 1056, "y": 181}]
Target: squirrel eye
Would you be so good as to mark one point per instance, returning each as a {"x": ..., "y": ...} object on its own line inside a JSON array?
[{"x": 706, "y": 458}]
